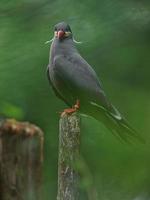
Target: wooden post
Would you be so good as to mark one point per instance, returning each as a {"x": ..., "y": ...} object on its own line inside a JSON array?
[
  {"x": 20, "y": 161},
  {"x": 69, "y": 141}
]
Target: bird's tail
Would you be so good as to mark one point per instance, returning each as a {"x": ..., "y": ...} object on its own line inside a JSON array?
[
  {"x": 122, "y": 129},
  {"x": 119, "y": 126}
]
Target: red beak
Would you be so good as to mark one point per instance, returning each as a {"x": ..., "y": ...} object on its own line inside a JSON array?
[{"x": 60, "y": 34}]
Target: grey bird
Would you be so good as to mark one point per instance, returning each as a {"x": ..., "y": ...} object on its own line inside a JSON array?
[{"x": 76, "y": 83}]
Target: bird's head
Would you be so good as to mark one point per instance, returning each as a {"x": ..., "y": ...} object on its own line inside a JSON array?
[{"x": 62, "y": 31}]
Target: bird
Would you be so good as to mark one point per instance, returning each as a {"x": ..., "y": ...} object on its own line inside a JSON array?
[{"x": 76, "y": 83}]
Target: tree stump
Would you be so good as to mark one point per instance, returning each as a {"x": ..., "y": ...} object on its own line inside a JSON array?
[
  {"x": 69, "y": 141},
  {"x": 21, "y": 152}
]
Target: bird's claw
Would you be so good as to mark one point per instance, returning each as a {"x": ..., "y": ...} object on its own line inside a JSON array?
[{"x": 69, "y": 111}]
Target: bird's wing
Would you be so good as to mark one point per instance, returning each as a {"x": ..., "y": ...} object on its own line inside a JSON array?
[{"x": 79, "y": 75}]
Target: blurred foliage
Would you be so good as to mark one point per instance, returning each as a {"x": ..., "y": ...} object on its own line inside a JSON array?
[
  {"x": 9, "y": 110},
  {"x": 116, "y": 42}
]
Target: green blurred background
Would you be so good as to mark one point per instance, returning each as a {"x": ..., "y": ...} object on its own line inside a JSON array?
[{"x": 116, "y": 42}]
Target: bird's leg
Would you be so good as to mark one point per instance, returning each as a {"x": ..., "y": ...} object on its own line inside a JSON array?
[{"x": 73, "y": 109}]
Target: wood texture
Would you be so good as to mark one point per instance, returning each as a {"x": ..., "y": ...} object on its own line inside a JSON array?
[
  {"x": 21, "y": 149},
  {"x": 69, "y": 141}
]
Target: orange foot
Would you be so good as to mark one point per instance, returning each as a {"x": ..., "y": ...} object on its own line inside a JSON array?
[{"x": 71, "y": 110}]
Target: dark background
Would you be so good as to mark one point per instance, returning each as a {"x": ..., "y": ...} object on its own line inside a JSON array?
[{"x": 116, "y": 42}]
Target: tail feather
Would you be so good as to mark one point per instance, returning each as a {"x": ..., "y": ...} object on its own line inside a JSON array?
[
  {"x": 132, "y": 133},
  {"x": 122, "y": 129},
  {"x": 117, "y": 124}
]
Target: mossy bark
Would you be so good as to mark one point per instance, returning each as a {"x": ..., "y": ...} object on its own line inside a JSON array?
[
  {"x": 69, "y": 142},
  {"x": 21, "y": 149}
]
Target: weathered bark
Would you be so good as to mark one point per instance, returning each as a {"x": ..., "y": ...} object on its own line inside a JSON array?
[
  {"x": 20, "y": 161},
  {"x": 69, "y": 140}
]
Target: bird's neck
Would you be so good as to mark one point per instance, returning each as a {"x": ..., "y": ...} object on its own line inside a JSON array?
[{"x": 65, "y": 47}]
